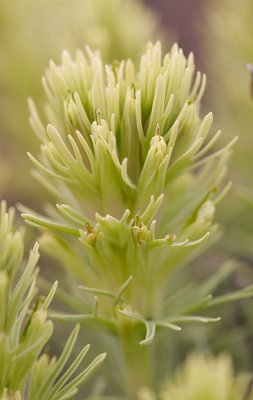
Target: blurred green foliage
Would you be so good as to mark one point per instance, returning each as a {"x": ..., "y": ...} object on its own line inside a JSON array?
[{"x": 227, "y": 49}]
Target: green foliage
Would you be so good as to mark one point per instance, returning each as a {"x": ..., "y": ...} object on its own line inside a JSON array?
[
  {"x": 11, "y": 243},
  {"x": 25, "y": 329}
]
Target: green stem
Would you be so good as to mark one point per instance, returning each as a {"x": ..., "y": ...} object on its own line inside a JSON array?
[{"x": 137, "y": 360}]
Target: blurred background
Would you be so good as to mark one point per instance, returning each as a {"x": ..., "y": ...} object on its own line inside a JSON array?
[{"x": 219, "y": 32}]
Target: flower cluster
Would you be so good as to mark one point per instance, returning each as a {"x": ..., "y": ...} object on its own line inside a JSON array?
[
  {"x": 211, "y": 378},
  {"x": 63, "y": 24},
  {"x": 204, "y": 377},
  {"x": 130, "y": 163}
]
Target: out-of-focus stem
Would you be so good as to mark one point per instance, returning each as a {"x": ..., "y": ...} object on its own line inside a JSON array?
[{"x": 137, "y": 360}]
